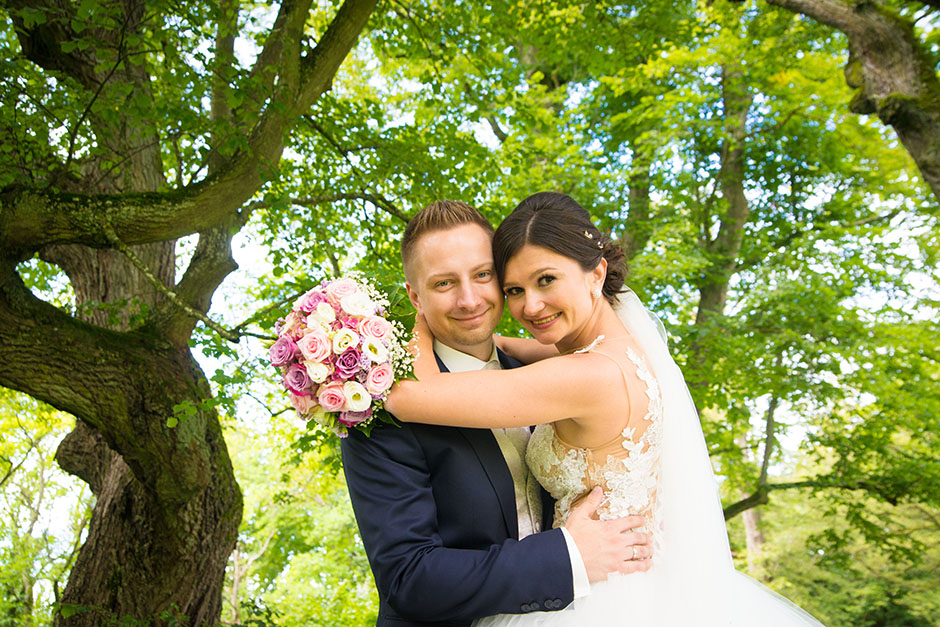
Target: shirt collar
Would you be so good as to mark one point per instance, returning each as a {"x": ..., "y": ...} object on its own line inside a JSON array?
[{"x": 457, "y": 361}]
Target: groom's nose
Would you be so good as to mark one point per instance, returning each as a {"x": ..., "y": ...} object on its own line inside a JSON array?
[{"x": 467, "y": 295}]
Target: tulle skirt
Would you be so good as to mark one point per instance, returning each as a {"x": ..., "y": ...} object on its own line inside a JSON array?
[{"x": 640, "y": 600}]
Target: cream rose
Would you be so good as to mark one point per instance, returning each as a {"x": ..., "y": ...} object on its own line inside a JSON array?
[
  {"x": 358, "y": 304},
  {"x": 317, "y": 371},
  {"x": 343, "y": 339},
  {"x": 374, "y": 350},
  {"x": 325, "y": 313},
  {"x": 357, "y": 397}
]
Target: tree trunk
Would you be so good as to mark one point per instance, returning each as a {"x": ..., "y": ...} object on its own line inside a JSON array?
[
  {"x": 755, "y": 542},
  {"x": 168, "y": 507},
  {"x": 637, "y": 227},
  {"x": 722, "y": 250}
]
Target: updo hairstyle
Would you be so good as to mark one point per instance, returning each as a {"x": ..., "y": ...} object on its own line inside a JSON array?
[{"x": 556, "y": 222}]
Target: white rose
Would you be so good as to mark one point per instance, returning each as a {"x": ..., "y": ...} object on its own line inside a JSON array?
[
  {"x": 357, "y": 304},
  {"x": 357, "y": 397},
  {"x": 343, "y": 339},
  {"x": 325, "y": 312},
  {"x": 318, "y": 372},
  {"x": 374, "y": 350},
  {"x": 314, "y": 321}
]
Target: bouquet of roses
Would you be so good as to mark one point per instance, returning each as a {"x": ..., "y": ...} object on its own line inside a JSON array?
[{"x": 339, "y": 353}]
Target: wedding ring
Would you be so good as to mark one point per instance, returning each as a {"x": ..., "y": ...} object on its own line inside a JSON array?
[{"x": 634, "y": 552}]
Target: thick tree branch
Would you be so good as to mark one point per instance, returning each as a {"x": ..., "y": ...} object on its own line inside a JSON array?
[
  {"x": 893, "y": 71},
  {"x": 761, "y": 496},
  {"x": 100, "y": 387},
  {"x": 171, "y": 296},
  {"x": 32, "y": 219}
]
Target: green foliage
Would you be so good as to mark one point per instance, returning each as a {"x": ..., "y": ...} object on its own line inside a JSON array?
[
  {"x": 299, "y": 560},
  {"x": 44, "y": 511},
  {"x": 831, "y": 300}
]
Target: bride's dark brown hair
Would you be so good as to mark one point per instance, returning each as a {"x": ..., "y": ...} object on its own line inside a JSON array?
[{"x": 556, "y": 222}]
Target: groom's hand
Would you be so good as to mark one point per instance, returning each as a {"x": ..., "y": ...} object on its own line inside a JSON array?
[{"x": 608, "y": 546}]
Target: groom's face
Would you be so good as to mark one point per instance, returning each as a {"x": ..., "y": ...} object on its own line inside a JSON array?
[{"x": 452, "y": 282}]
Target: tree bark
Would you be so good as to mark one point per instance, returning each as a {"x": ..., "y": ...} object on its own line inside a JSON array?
[
  {"x": 892, "y": 70},
  {"x": 168, "y": 506}
]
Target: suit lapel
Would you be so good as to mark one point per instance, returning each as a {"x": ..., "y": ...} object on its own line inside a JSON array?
[
  {"x": 488, "y": 453},
  {"x": 494, "y": 464}
]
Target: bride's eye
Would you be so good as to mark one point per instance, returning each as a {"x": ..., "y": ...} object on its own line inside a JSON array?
[
  {"x": 512, "y": 291},
  {"x": 546, "y": 279}
]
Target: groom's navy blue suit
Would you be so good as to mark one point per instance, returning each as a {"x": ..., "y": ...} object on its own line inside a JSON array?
[{"x": 437, "y": 514}]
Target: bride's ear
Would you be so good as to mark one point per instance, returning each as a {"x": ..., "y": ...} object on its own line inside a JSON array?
[{"x": 599, "y": 274}]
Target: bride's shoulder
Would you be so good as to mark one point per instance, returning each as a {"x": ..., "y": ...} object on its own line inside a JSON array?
[{"x": 591, "y": 368}]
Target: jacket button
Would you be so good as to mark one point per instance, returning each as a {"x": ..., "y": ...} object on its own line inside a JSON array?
[
  {"x": 535, "y": 605},
  {"x": 525, "y": 607}
]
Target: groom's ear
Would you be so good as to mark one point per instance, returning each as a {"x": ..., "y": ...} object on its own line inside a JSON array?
[{"x": 413, "y": 296}]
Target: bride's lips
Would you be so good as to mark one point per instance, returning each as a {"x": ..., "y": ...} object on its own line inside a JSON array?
[{"x": 541, "y": 323}]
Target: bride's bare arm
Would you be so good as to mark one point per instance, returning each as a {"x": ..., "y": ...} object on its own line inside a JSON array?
[
  {"x": 526, "y": 350},
  {"x": 570, "y": 386}
]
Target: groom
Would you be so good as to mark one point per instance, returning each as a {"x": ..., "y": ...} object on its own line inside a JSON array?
[{"x": 453, "y": 523}]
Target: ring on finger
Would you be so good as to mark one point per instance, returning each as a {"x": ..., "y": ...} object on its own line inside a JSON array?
[{"x": 634, "y": 552}]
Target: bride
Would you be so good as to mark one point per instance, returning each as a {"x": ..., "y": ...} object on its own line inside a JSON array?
[{"x": 613, "y": 410}]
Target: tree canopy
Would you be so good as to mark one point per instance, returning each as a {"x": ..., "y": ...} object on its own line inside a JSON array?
[{"x": 771, "y": 168}]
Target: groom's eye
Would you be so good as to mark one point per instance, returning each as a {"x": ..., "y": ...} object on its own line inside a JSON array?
[{"x": 485, "y": 274}]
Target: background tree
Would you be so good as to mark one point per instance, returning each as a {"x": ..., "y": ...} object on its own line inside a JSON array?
[
  {"x": 790, "y": 247},
  {"x": 106, "y": 103}
]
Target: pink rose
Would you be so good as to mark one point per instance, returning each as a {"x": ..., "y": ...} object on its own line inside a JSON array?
[
  {"x": 314, "y": 345},
  {"x": 376, "y": 327},
  {"x": 352, "y": 418},
  {"x": 309, "y": 301},
  {"x": 303, "y": 404},
  {"x": 331, "y": 396},
  {"x": 297, "y": 380},
  {"x": 379, "y": 379},
  {"x": 283, "y": 351},
  {"x": 336, "y": 290}
]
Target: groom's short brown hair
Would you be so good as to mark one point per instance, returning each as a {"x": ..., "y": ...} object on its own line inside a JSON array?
[{"x": 440, "y": 215}]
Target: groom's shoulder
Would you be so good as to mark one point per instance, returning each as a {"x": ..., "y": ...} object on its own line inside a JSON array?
[{"x": 506, "y": 361}]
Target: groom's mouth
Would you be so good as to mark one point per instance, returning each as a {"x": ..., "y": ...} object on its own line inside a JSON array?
[
  {"x": 541, "y": 323},
  {"x": 470, "y": 321}
]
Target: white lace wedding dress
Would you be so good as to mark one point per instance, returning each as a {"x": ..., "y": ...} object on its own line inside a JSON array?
[{"x": 657, "y": 467}]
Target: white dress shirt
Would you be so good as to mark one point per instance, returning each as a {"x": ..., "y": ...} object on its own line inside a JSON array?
[{"x": 512, "y": 442}]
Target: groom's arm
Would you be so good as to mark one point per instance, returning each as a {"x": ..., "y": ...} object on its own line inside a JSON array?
[{"x": 390, "y": 489}]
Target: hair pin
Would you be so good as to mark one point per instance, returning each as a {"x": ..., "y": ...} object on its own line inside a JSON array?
[{"x": 588, "y": 235}]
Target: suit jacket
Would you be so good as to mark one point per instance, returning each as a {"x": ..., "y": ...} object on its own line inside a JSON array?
[{"x": 437, "y": 515}]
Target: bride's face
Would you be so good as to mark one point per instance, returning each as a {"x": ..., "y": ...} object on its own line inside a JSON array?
[{"x": 551, "y": 295}]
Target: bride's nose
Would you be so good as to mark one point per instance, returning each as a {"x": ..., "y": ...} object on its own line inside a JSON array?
[{"x": 532, "y": 305}]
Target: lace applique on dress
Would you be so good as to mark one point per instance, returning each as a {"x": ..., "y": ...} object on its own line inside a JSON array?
[{"x": 627, "y": 467}]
